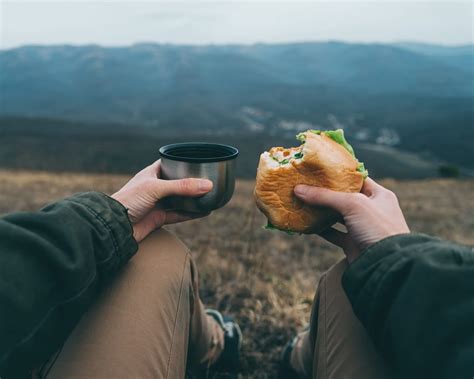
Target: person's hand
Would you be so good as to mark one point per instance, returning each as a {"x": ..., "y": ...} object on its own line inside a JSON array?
[
  {"x": 142, "y": 196},
  {"x": 369, "y": 216}
]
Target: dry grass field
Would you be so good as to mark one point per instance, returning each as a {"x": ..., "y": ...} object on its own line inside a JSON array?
[{"x": 266, "y": 279}]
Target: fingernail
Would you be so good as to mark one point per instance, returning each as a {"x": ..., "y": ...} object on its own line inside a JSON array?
[
  {"x": 301, "y": 190},
  {"x": 204, "y": 185}
]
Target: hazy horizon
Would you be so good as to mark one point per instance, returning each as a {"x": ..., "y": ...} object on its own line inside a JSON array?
[
  {"x": 236, "y": 44},
  {"x": 111, "y": 23}
]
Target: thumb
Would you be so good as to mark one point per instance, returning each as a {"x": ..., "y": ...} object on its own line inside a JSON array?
[{"x": 339, "y": 201}]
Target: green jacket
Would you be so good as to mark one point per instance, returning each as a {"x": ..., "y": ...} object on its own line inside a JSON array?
[
  {"x": 53, "y": 263},
  {"x": 413, "y": 293},
  {"x": 415, "y": 296}
]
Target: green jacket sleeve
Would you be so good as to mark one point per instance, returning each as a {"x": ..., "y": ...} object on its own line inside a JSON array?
[
  {"x": 415, "y": 296},
  {"x": 53, "y": 263}
]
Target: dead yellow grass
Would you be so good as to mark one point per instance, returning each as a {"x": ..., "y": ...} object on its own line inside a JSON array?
[{"x": 266, "y": 279}]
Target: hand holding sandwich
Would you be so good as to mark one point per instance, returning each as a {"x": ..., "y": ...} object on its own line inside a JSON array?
[
  {"x": 369, "y": 216},
  {"x": 307, "y": 189}
]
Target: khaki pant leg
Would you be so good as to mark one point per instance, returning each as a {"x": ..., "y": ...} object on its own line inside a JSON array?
[
  {"x": 140, "y": 326},
  {"x": 337, "y": 346}
]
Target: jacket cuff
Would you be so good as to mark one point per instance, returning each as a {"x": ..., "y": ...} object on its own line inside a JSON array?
[{"x": 113, "y": 217}]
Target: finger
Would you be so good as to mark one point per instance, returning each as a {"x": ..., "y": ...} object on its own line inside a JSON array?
[
  {"x": 175, "y": 217},
  {"x": 371, "y": 187},
  {"x": 336, "y": 237},
  {"x": 153, "y": 220},
  {"x": 182, "y": 187},
  {"x": 156, "y": 218},
  {"x": 152, "y": 170},
  {"x": 155, "y": 168},
  {"x": 339, "y": 201}
]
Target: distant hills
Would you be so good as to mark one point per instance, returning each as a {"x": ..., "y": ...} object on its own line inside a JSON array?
[
  {"x": 414, "y": 96},
  {"x": 151, "y": 83}
]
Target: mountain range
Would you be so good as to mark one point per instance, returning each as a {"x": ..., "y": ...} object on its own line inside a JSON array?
[{"x": 414, "y": 96}]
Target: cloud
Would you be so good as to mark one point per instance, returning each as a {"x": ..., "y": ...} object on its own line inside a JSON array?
[{"x": 200, "y": 22}]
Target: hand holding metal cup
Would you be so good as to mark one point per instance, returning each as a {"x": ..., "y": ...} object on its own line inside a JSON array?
[{"x": 215, "y": 162}]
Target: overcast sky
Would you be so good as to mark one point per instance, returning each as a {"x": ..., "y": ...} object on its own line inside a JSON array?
[{"x": 198, "y": 22}]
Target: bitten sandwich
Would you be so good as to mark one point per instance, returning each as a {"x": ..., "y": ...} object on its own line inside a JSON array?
[{"x": 324, "y": 159}]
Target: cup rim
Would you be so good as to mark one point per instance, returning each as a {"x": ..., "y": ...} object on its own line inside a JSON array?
[{"x": 227, "y": 152}]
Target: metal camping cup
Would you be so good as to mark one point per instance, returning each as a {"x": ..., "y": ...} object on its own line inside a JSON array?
[{"x": 211, "y": 161}]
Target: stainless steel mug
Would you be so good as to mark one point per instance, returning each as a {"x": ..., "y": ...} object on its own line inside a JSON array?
[{"x": 211, "y": 161}]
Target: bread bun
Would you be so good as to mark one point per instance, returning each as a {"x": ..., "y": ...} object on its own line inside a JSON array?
[{"x": 320, "y": 161}]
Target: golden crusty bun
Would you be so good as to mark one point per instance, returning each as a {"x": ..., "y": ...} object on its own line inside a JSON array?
[{"x": 324, "y": 159}]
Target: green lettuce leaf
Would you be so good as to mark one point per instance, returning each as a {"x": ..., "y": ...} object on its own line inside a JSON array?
[
  {"x": 298, "y": 156},
  {"x": 269, "y": 226},
  {"x": 361, "y": 168},
  {"x": 338, "y": 136},
  {"x": 301, "y": 137}
]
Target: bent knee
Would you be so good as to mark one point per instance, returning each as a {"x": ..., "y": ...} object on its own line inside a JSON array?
[
  {"x": 163, "y": 243},
  {"x": 163, "y": 256}
]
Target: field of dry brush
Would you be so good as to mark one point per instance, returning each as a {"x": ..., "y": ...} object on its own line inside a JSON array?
[{"x": 266, "y": 279}]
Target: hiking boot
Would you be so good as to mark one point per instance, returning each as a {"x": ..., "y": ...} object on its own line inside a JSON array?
[
  {"x": 285, "y": 370},
  {"x": 228, "y": 361}
]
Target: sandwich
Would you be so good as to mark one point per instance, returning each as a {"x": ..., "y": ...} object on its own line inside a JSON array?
[{"x": 324, "y": 159}]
